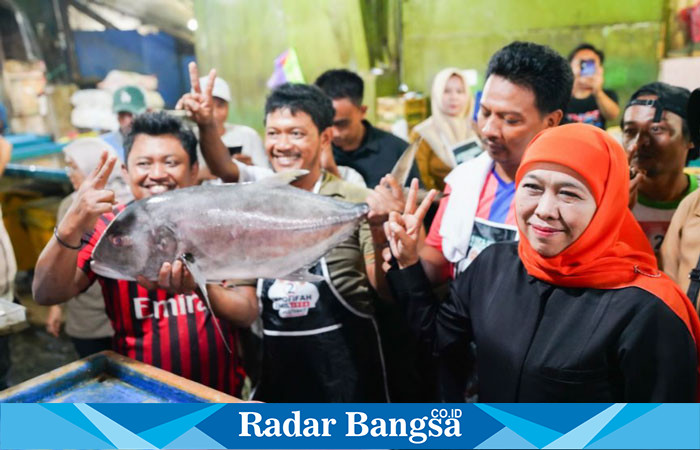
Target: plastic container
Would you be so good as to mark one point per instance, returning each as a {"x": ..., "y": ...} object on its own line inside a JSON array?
[
  {"x": 39, "y": 218},
  {"x": 13, "y": 317}
]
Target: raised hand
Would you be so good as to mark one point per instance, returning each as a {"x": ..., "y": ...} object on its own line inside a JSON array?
[
  {"x": 597, "y": 80},
  {"x": 403, "y": 230},
  {"x": 91, "y": 201},
  {"x": 387, "y": 196},
  {"x": 198, "y": 104}
]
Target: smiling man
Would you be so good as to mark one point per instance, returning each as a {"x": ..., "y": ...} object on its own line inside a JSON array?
[
  {"x": 527, "y": 89},
  {"x": 320, "y": 339},
  {"x": 165, "y": 324},
  {"x": 328, "y": 350}
]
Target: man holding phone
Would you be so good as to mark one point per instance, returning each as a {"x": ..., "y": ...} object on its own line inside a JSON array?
[{"x": 590, "y": 103}]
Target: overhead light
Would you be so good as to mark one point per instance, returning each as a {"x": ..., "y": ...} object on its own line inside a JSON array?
[{"x": 192, "y": 24}]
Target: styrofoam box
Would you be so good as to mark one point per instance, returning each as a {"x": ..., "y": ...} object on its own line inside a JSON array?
[{"x": 11, "y": 314}]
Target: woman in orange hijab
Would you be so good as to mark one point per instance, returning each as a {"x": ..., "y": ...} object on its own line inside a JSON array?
[{"x": 577, "y": 311}]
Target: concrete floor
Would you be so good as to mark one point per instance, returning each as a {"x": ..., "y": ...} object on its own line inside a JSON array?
[{"x": 33, "y": 351}]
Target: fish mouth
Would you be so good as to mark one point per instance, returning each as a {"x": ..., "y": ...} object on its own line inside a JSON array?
[{"x": 107, "y": 272}]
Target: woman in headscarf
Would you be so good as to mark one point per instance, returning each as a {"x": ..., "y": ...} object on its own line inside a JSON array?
[
  {"x": 577, "y": 311},
  {"x": 449, "y": 128}
]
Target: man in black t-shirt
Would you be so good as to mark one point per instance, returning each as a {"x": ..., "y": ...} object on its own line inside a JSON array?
[
  {"x": 356, "y": 143},
  {"x": 590, "y": 103}
]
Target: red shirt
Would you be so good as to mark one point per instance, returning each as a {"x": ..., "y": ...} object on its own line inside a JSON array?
[{"x": 174, "y": 333}]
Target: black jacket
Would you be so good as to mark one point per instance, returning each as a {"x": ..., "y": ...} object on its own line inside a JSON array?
[{"x": 541, "y": 343}]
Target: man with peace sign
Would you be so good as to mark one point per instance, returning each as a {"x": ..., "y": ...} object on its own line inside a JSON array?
[
  {"x": 328, "y": 349},
  {"x": 163, "y": 323}
]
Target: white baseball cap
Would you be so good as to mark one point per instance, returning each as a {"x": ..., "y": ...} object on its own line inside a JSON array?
[{"x": 221, "y": 88}]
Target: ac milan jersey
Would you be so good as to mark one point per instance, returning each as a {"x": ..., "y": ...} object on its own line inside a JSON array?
[{"x": 173, "y": 332}]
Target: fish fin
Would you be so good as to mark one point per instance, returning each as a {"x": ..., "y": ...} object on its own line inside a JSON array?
[
  {"x": 303, "y": 274},
  {"x": 403, "y": 166},
  {"x": 282, "y": 178},
  {"x": 201, "y": 280}
]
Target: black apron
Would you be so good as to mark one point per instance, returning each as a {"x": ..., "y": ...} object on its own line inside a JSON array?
[{"x": 316, "y": 347}]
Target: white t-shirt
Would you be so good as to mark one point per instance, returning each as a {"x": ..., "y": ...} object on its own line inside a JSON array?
[
  {"x": 654, "y": 222},
  {"x": 249, "y": 140},
  {"x": 655, "y": 217}
]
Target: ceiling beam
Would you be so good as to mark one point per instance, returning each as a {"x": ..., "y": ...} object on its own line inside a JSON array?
[{"x": 85, "y": 9}]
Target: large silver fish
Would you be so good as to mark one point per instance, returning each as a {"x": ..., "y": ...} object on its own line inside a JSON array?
[{"x": 265, "y": 229}]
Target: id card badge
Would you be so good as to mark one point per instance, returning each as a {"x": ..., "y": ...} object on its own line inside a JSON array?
[{"x": 467, "y": 150}]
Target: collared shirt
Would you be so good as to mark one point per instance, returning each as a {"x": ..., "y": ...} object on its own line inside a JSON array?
[{"x": 376, "y": 155}]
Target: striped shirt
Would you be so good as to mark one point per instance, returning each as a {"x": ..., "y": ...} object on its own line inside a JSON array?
[
  {"x": 494, "y": 220},
  {"x": 496, "y": 200},
  {"x": 175, "y": 333}
]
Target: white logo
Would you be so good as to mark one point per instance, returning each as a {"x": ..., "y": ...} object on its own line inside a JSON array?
[
  {"x": 293, "y": 298},
  {"x": 146, "y": 308},
  {"x": 125, "y": 97}
]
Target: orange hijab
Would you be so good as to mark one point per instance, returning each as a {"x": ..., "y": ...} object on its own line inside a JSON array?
[{"x": 613, "y": 251}]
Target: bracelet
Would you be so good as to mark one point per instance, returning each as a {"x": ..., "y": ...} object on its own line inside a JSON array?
[{"x": 65, "y": 244}]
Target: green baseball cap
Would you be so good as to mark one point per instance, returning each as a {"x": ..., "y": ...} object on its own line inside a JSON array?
[{"x": 129, "y": 99}]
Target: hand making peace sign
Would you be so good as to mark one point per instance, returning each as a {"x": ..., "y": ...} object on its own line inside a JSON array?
[
  {"x": 403, "y": 230},
  {"x": 199, "y": 105},
  {"x": 91, "y": 201}
]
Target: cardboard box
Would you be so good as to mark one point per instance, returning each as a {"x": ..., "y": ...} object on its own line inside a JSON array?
[{"x": 391, "y": 110}]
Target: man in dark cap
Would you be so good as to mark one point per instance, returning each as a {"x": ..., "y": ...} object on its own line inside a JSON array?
[
  {"x": 657, "y": 138},
  {"x": 694, "y": 116},
  {"x": 681, "y": 247}
]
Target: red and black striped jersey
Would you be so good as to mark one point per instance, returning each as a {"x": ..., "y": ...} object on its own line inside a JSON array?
[{"x": 174, "y": 333}]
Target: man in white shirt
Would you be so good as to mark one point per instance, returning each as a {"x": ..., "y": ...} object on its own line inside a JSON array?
[{"x": 242, "y": 141}]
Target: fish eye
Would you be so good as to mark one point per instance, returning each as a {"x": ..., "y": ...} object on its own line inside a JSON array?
[
  {"x": 163, "y": 243},
  {"x": 120, "y": 241}
]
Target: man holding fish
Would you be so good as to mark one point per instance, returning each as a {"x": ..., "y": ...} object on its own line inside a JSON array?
[
  {"x": 321, "y": 340},
  {"x": 161, "y": 322}
]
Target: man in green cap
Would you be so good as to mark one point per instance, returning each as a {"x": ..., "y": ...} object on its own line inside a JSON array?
[{"x": 128, "y": 101}]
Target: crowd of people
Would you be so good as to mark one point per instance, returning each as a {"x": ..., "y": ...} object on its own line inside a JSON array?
[{"x": 566, "y": 254}]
